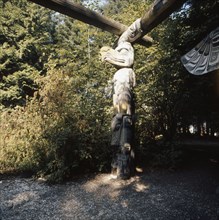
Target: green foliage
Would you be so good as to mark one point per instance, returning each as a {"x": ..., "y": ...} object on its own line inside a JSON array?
[
  {"x": 58, "y": 132},
  {"x": 64, "y": 128},
  {"x": 167, "y": 96},
  {"x": 24, "y": 35},
  {"x": 16, "y": 88},
  {"x": 55, "y": 117}
]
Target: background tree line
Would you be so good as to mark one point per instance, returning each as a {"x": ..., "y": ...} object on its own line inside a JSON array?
[{"x": 55, "y": 113}]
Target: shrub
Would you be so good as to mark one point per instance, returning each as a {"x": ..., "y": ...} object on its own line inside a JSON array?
[{"x": 63, "y": 130}]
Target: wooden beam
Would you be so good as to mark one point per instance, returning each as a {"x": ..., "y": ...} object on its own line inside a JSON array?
[
  {"x": 159, "y": 11},
  {"x": 88, "y": 16}
]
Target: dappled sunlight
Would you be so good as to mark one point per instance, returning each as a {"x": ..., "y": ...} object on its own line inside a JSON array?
[
  {"x": 125, "y": 204},
  {"x": 139, "y": 187},
  {"x": 22, "y": 198},
  {"x": 68, "y": 204},
  {"x": 139, "y": 170},
  {"x": 102, "y": 180},
  {"x": 107, "y": 185}
]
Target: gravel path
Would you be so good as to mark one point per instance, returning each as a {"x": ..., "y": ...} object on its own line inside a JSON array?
[{"x": 188, "y": 194}]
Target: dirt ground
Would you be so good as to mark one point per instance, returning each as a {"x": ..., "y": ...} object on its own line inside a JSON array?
[{"x": 187, "y": 194}]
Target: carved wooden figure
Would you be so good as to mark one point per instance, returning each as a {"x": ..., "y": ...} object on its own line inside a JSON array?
[
  {"x": 122, "y": 57},
  {"x": 124, "y": 102}
]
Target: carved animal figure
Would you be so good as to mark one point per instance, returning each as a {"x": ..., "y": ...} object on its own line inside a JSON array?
[
  {"x": 124, "y": 79},
  {"x": 104, "y": 50},
  {"x": 123, "y": 102},
  {"x": 132, "y": 33},
  {"x": 122, "y": 56}
]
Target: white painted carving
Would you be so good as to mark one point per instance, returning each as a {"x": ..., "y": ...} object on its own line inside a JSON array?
[
  {"x": 133, "y": 32},
  {"x": 124, "y": 78},
  {"x": 122, "y": 56}
]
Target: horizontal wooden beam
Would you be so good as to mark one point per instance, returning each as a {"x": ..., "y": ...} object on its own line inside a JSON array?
[
  {"x": 88, "y": 16},
  {"x": 158, "y": 12}
]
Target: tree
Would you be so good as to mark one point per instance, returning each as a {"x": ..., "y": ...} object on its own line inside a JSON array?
[
  {"x": 65, "y": 127},
  {"x": 24, "y": 38},
  {"x": 174, "y": 96}
]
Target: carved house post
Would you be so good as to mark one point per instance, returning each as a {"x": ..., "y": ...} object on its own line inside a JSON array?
[{"x": 122, "y": 57}]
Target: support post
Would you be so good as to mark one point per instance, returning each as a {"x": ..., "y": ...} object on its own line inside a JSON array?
[{"x": 122, "y": 57}]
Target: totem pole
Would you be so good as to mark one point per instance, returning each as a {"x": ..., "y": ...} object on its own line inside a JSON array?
[{"x": 122, "y": 57}]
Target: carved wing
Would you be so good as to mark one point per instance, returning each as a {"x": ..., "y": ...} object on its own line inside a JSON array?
[{"x": 204, "y": 57}]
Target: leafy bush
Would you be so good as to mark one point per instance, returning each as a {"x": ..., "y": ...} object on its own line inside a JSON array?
[{"x": 61, "y": 131}]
